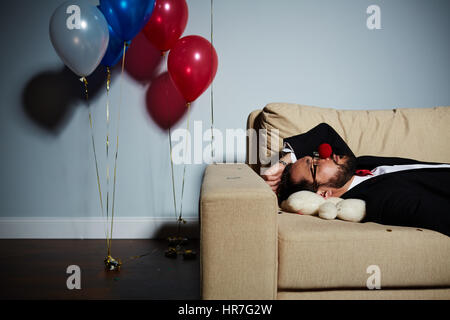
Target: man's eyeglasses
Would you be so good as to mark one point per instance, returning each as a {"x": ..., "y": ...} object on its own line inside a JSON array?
[{"x": 315, "y": 162}]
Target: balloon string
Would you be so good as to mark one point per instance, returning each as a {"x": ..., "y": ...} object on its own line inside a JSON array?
[
  {"x": 108, "y": 82},
  {"x": 125, "y": 44},
  {"x": 180, "y": 219},
  {"x": 115, "y": 160},
  {"x": 212, "y": 86},
  {"x": 93, "y": 143},
  {"x": 173, "y": 178},
  {"x": 171, "y": 161}
]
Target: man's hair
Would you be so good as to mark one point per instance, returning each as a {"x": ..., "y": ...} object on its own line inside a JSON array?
[{"x": 287, "y": 187}]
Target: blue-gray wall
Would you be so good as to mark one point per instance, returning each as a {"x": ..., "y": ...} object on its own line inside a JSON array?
[{"x": 309, "y": 52}]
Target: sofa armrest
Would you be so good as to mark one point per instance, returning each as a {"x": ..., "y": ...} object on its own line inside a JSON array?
[{"x": 238, "y": 232}]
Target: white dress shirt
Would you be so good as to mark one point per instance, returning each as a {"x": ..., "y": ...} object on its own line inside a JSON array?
[{"x": 288, "y": 149}]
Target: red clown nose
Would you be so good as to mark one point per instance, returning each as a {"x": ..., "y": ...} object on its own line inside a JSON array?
[{"x": 325, "y": 151}]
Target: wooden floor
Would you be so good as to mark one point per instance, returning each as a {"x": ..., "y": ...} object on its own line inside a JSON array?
[{"x": 36, "y": 269}]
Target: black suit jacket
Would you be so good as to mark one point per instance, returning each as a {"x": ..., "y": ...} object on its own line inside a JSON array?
[{"x": 415, "y": 198}]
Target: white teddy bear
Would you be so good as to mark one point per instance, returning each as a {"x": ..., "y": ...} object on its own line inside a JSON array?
[{"x": 310, "y": 203}]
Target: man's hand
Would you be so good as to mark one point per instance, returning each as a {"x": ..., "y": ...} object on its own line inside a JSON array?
[{"x": 272, "y": 176}]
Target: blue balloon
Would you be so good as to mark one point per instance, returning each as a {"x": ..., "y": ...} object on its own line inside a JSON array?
[
  {"x": 127, "y": 17},
  {"x": 114, "y": 51}
]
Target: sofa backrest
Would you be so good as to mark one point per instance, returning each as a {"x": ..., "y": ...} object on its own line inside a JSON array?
[{"x": 416, "y": 133}]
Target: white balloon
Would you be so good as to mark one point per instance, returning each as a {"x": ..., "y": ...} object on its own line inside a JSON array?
[{"x": 79, "y": 33}]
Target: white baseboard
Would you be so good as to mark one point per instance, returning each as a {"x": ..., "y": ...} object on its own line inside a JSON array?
[{"x": 95, "y": 228}]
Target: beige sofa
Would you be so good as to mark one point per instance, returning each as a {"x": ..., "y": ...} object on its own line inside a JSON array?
[{"x": 251, "y": 250}]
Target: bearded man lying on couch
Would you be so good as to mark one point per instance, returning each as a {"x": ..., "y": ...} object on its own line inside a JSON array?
[{"x": 397, "y": 191}]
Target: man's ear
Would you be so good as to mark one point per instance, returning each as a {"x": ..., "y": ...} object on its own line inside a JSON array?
[{"x": 326, "y": 193}]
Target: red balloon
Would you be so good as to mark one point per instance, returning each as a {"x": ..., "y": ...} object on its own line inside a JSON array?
[
  {"x": 192, "y": 64},
  {"x": 165, "y": 104},
  {"x": 142, "y": 59},
  {"x": 167, "y": 23}
]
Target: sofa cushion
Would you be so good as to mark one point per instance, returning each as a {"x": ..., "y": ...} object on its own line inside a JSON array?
[
  {"x": 394, "y": 294},
  {"x": 318, "y": 254},
  {"x": 416, "y": 133}
]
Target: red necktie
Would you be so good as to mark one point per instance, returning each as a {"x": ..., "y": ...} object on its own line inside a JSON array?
[{"x": 363, "y": 172}]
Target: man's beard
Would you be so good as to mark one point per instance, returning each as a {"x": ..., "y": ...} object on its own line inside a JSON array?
[{"x": 345, "y": 173}]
